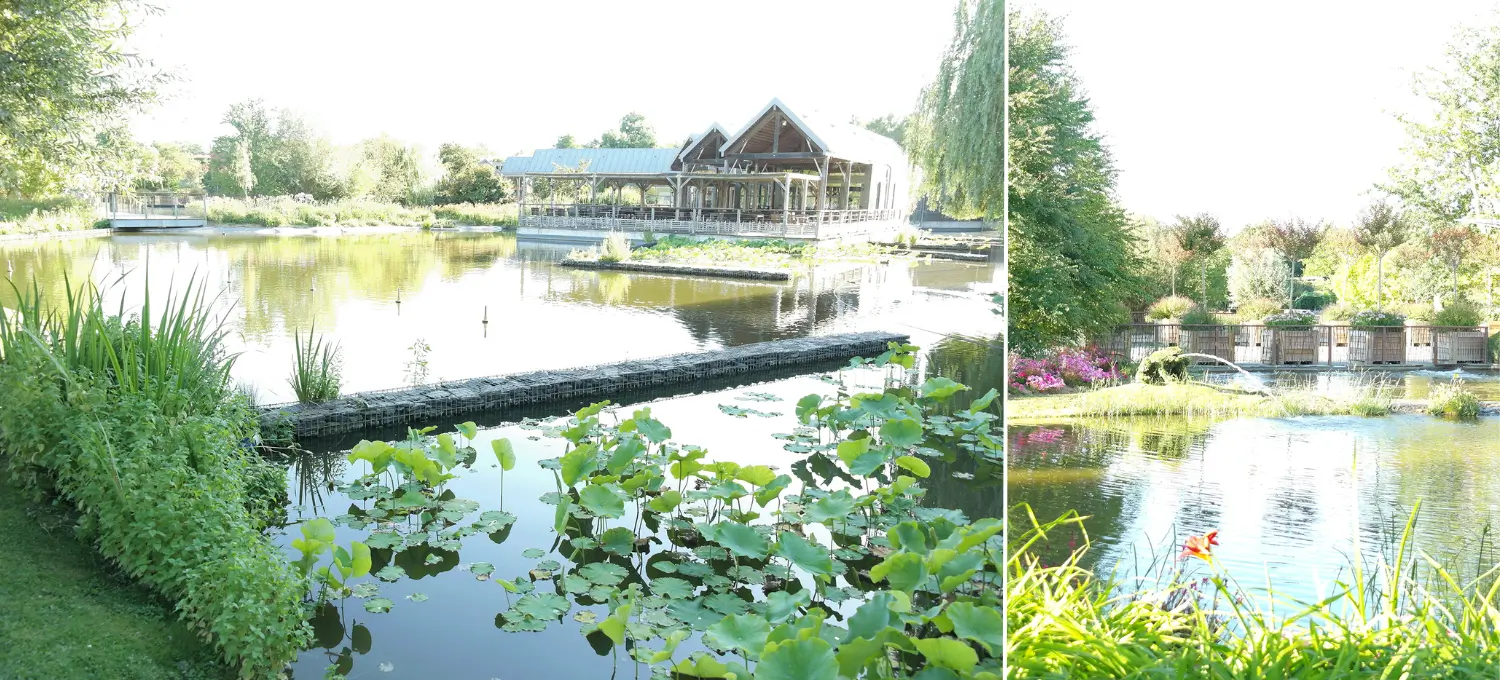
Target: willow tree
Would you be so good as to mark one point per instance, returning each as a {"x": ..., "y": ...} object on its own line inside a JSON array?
[
  {"x": 1071, "y": 261},
  {"x": 65, "y": 78}
]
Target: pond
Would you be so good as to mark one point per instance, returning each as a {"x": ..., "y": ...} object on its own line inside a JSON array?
[
  {"x": 1289, "y": 496},
  {"x": 384, "y": 296},
  {"x": 446, "y": 622}
]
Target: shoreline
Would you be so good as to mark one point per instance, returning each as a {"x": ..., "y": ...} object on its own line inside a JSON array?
[
  {"x": 682, "y": 270},
  {"x": 252, "y": 229}
]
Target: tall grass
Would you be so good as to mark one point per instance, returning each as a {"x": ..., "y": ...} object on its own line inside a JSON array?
[
  {"x": 616, "y": 248},
  {"x": 284, "y": 211},
  {"x": 317, "y": 369},
  {"x": 178, "y": 355},
  {"x": 1409, "y": 618},
  {"x": 47, "y": 215},
  {"x": 1452, "y": 400}
]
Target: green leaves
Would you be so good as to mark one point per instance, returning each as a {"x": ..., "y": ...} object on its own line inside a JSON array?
[
  {"x": 914, "y": 465},
  {"x": 741, "y": 540},
  {"x": 613, "y": 626},
  {"x": 603, "y": 500},
  {"x": 578, "y": 463},
  {"x": 809, "y": 556},
  {"x": 904, "y": 571},
  {"x": 901, "y": 432},
  {"x": 504, "y": 453},
  {"x": 378, "y": 605},
  {"x": 468, "y": 429},
  {"x": 810, "y": 659},
  {"x": 947, "y": 653},
  {"x": 547, "y": 606},
  {"x": 603, "y": 573},
  {"x": 744, "y": 632},
  {"x": 834, "y": 506},
  {"x": 666, "y": 502},
  {"x": 980, "y": 624}
]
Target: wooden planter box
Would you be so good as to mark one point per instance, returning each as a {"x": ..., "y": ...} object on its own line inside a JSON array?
[
  {"x": 1212, "y": 340},
  {"x": 1251, "y": 334},
  {"x": 1340, "y": 335},
  {"x": 1168, "y": 331},
  {"x": 1419, "y": 335},
  {"x": 1460, "y": 347},
  {"x": 1369, "y": 346},
  {"x": 1289, "y": 345}
]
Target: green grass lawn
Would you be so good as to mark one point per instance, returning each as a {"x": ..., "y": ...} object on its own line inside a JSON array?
[{"x": 66, "y": 613}]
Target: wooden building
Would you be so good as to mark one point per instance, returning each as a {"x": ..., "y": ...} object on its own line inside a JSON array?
[{"x": 781, "y": 175}]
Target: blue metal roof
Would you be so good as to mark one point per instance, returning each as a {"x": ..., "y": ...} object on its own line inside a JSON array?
[{"x": 603, "y": 161}]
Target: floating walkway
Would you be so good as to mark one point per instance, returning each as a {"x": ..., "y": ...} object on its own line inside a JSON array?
[
  {"x": 428, "y": 404},
  {"x": 684, "y": 270}
]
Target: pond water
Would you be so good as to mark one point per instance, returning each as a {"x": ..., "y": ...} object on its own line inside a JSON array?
[
  {"x": 1289, "y": 496},
  {"x": 540, "y": 315},
  {"x": 1397, "y": 385},
  {"x": 445, "y": 621}
]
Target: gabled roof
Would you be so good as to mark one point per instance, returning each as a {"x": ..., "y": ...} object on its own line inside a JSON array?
[
  {"x": 610, "y": 161},
  {"x": 830, "y": 135},
  {"x": 699, "y": 138}
]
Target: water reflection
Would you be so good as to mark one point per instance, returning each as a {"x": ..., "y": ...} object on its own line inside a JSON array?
[
  {"x": 1417, "y": 384},
  {"x": 378, "y": 293},
  {"x": 1288, "y": 495}
]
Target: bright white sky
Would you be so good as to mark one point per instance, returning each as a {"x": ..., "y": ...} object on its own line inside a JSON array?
[
  {"x": 514, "y": 75},
  {"x": 1255, "y": 110}
]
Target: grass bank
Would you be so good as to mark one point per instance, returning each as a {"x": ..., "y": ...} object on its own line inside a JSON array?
[
  {"x": 284, "y": 211},
  {"x": 1406, "y": 619},
  {"x": 45, "y": 216},
  {"x": 69, "y": 614},
  {"x": 1182, "y": 399}
]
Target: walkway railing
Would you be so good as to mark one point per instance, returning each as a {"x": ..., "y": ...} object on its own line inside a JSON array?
[
  {"x": 1319, "y": 345},
  {"x": 715, "y": 221},
  {"x": 155, "y": 205}
]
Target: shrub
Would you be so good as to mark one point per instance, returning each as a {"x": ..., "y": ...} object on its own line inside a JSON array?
[
  {"x": 1258, "y": 308},
  {"x": 157, "y": 470},
  {"x": 1166, "y": 365},
  {"x": 616, "y": 248},
  {"x": 1314, "y": 299},
  {"x": 48, "y": 215},
  {"x": 1373, "y": 319},
  {"x": 1199, "y": 316},
  {"x": 1417, "y": 311},
  {"x": 1458, "y": 313},
  {"x": 1337, "y": 313},
  {"x": 317, "y": 369},
  {"x": 1453, "y": 401},
  {"x": 1075, "y": 367},
  {"x": 1292, "y": 318},
  {"x": 1170, "y": 307}
]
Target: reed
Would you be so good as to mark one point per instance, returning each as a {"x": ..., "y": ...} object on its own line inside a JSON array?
[{"x": 317, "y": 370}]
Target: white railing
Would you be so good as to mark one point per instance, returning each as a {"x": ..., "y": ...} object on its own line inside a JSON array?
[
  {"x": 712, "y": 221},
  {"x": 156, "y": 205}
]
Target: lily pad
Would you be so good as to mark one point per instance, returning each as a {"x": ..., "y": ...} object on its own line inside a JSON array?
[
  {"x": 391, "y": 573},
  {"x": 378, "y": 605},
  {"x": 603, "y": 573},
  {"x": 545, "y": 606},
  {"x": 533, "y": 553}
]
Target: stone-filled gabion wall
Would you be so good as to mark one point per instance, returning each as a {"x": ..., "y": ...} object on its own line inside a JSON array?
[{"x": 429, "y": 402}]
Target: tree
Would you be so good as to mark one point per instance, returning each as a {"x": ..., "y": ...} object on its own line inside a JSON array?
[
  {"x": 1452, "y": 159},
  {"x": 467, "y": 179},
  {"x": 1200, "y": 236},
  {"x": 566, "y": 142},
  {"x": 1257, "y": 273},
  {"x": 66, "y": 78},
  {"x": 1294, "y": 240},
  {"x": 1380, "y": 229},
  {"x": 889, "y": 125},
  {"x": 634, "y": 133},
  {"x": 1073, "y": 267},
  {"x": 1451, "y": 244}
]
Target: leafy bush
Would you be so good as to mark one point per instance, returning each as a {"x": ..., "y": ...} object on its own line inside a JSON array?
[
  {"x": 616, "y": 248},
  {"x": 156, "y": 467},
  {"x": 1458, "y": 313},
  {"x": 1453, "y": 401},
  {"x": 1166, "y": 365},
  {"x": 317, "y": 369},
  {"x": 1337, "y": 313},
  {"x": 283, "y": 211},
  {"x": 1291, "y": 317},
  {"x": 1373, "y": 319},
  {"x": 1255, "y": 309},
  {"x": 1417, "y": 311},
  {"x": 476, "y": 214},
  {"x": 48, "y": 215},
  {"x": 1314, "y": 299},
  {"x": 1066, "y": 367},
  {"x": 1169, "y": 307},
  {"x": 1199, "y": 316},
  {"x": 1257, "y": 274}
]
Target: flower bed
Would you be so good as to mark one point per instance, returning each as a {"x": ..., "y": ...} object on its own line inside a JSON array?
[
  {"x": 1065, "y": 368},
  {"x": 1377, "y": 338}
]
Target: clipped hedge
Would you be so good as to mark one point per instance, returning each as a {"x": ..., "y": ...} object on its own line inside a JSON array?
[
  {"x": 1166, "y": 365},
  {"x": 164, "y": 497}
]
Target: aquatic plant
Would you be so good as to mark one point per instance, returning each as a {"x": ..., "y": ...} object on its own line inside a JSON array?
[
  {"x": 1452, "y": 400},
  {"x": 317, "y": 368},
  {"x": 416, "y": 367},
  {"x": 1164, "y": 366},
  {"x": 1409, "y": 617},
  {"x": 1170, "y": 307},
  {"x": 615, "y": 248}
]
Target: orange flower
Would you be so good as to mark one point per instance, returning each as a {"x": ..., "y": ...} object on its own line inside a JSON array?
[{"x": 1200, "y": 547}]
